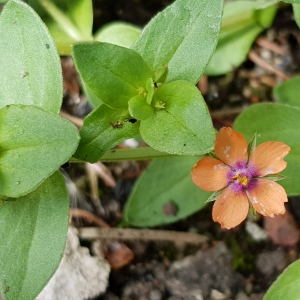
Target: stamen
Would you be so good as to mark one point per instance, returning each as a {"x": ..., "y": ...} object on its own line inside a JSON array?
[{"x": 243, "y": 180}]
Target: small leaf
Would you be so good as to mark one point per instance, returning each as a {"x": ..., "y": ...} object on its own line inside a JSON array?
[
  {"x": 182, "y": 37},
  {"x": 160, "y": 74},
  {"x": 27, "y": 48},
  {"x": 150, "y": 90},
  {"x": 275, "y": 177},
  {"x": 213, "y": 197},
  {"x": 296, "y": 10},
  {"x": 120, "y": 74},
  {"x": 265, "y": 3},
  {"x": 62, "y": 40},
  {"x": 287, "y": 285},
  {"x": 33, "y": 232},
  {"x": 98, "y": 134},
  {"x": 184, "y": 126},
  {"x": 67, "y": 21},
  {"x": 212, "y": 154},
  {"x": 166, "y": 180},
  {"x": 252, "y": 144},
  {"x": 33, "y": 145},
  {"x": 288, "y": 91},
  {"x": 279, "y": 123},
  {"x": 292, "y": 1},
  {"x": 223, "y": 61},
  {"x": 93, "y": 100},
  {"x": 139, "y": 109},
  {"x": 241, "y": 24},
  {"x": 252, "y": 211},
  {"x": 118, "y": 33},
  {"x": 81, "y": 13}
]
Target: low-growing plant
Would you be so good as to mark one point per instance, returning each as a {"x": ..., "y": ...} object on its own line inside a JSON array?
[{"x": 145, "y": 90}]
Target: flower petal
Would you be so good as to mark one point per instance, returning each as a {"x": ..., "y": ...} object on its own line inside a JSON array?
[
  {"x": 267, "y": 197},
  {"x": 268, "y": 157},
  {"x": 231, "y": 147},
  {"x": 210, "y": 174},
  {"x": 231, "y": 208}
]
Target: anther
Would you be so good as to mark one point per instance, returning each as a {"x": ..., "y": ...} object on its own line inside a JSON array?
[{"x": 241, "y": 179}]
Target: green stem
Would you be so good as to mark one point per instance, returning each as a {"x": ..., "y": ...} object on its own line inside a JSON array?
[
  {"x": 142, "y": 153},
  {"x": 62, "y": 20}
]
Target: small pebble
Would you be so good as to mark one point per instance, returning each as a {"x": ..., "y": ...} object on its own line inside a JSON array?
[
  {"x": 155, "y": 295},
  {"x": 256, "y": 232},
  {"x": 271, "y": 262},
  {"x": 216, "y": 295},
  {"x": 241, "y": 296}
]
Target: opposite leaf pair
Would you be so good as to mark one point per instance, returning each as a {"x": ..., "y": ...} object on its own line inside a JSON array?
[{"x": 171, "y": 117}]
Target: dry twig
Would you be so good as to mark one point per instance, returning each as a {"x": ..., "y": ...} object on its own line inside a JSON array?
[
  {"x": 80, "y": 213},
  {"x": 142, "y": 234},
  {"x": 218, "y": 114},
  {"x": 77, "y": 121},
  {"x": 264, "y": 43},
  {"x": 100, "y": 170},
  {"x": 264, "y": 65}
]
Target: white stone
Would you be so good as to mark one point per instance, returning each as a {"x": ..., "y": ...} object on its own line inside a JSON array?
[{"x": 79, "y": 276}]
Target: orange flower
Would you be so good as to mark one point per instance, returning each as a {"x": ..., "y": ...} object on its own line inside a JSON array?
[{"x": 243, "y": 180}]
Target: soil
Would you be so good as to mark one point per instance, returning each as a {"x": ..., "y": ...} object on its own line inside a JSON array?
[{"x": 238, "y": 264}]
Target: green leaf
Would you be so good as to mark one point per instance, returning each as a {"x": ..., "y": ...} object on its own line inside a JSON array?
[
  {"x": 279, "y": 123},
  {"x": 213, "y": 197},
  {"x": 165, "y": 180},
  {"x": 67, "y": 20},
  {"x": 288, "y": 91},
  {"x": 150, "y": 90},
  {"x": 265, "y": 17},
  {"x": 81, "y": 13},
  {"x": 120, "y": 74},
  {"x": 242, "y": 23},
  {"x": 275, "y": 177},
  {"x": 296, "y": 9},
  {"x": 103, "y": 129},
  {"x": 94, "y": 101},
  {"x": 269, "y": 2},
  {"x": 259, "y": 4},
  {"x": 33, "y": 231},
  {"x": 30, "y": 67},
  {"x": 252, "y": 144},
  {"x": 62, "y": 40},
  {"x": 223, "y": 60},
  {"x": 184, "y": 126},
  {"x": 252, "y": 211},
  {"x": 287, "y": 285},
  {"x": 292, "y": 1},
  {"x": 33, "y": 145},
  {"x": 118, "y": 33},
  {"x": 183, "y": 37},
  {"x": 139, "y": 109}
]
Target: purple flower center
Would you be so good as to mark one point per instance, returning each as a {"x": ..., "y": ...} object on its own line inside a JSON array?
[{"x": 241, "y": 176}]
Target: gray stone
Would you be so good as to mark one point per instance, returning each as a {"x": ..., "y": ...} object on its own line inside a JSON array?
[
  {"x": 202, "y": 272},
  {"x": 270, "y": 262}
]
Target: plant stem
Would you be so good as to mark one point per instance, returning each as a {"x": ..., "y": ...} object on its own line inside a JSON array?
[
  {"x": 62, "y": 20},
  {"x": 128, "y": 154}
]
